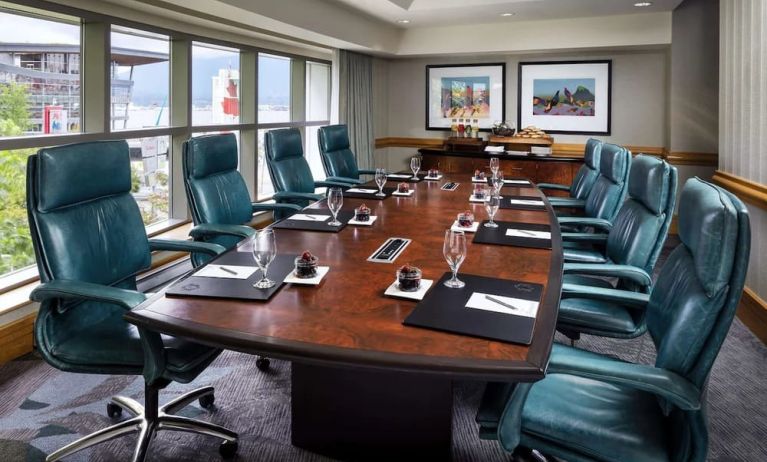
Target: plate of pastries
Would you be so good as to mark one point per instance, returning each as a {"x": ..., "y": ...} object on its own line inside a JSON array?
[{"x": 531, "y": 132}]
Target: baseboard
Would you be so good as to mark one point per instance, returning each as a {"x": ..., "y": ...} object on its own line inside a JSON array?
[
  {"x": 16, "y": 338},
  {"x": 753, "y": 312}
]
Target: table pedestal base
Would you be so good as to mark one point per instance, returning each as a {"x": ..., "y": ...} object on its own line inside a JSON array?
[{"x": 360, "y": 414}]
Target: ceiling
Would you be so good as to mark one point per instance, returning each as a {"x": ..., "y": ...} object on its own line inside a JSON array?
[{"x": 431, "y": 13}]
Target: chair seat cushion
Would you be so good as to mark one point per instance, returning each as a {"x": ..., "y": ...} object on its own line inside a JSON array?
[
  {"x": 590, "y": 281},
  {"x": 595, "y": 419},
  {"x": 596, "y": 315}
]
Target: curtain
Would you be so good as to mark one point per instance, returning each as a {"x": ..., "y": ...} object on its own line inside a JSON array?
[{"x": 355, "y": 104}]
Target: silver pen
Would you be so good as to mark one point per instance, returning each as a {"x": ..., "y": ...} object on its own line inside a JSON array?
[
  {"x": 311, "y": 217},
  {"x": 224, "y": 268},
  {"x": 495, "y": 300}
]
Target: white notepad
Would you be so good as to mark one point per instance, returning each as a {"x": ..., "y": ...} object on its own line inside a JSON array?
[
  {"x": 305, "y": 217},
  {"x": 528, "y": 233},
  {"x": 525, "y": 202},
  {"x": 479, "y": 301},
  {"x": 516, "y": 182},
  {"x": 398, "y": 175},
  {"x": 362, "y": 191},
  {"x": 234, "y": 271}
]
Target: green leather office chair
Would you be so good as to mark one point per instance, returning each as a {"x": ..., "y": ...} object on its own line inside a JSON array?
[
  {"x": 90, "y": 243},
  {"x": 591, "y": 407},
  {"x": 337, "y": 159},
  {"x": 290, "y": 173},
  {"x": 586, "y": 176},
  {"x": 609, "y": 190}
]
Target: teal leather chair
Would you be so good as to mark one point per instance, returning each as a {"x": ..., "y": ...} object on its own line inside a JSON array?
[
  {"x": 337, "y": 159},
  {"x": 90, "y": 243},
  {"x": 586, "y": 176},
  {"x": 290, "y": 172},
  {"x": 591, "y": 407},
  {"x": 609, "y": 190},
  {"x": 628, "y": 252}
]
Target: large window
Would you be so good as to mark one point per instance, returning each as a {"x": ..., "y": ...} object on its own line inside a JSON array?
[
  {"x": 140, "y": 70},
  {"x": 150, "y": 173},
  {"x": 317, "y": 91},
  {"x": 215, "y": 85},
  {"x": 274, "y": 73}
]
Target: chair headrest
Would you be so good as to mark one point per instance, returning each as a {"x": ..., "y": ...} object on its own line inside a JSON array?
[
  {"x": 210, "y": 154},
  {"x": 334, "y": 138},
  {"x": 284, "y": 143},
  {"x": 81, "y": 172},
  {"x": 705, "y": 211},
  {"x": 593, "y": 152},
  {"x": 614, "y": 162},
  {"x": 649, "y": 182}
]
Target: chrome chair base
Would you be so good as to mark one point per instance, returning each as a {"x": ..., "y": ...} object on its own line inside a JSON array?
[{"x": 148, "y": 421}]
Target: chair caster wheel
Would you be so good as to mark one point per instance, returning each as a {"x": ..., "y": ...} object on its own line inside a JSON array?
[
  {"x": 114, "y": 411},
  {"x": 206, "y": 401},
  {"x": 262, "y": 364},
  {"x": 228, "y": 449}
]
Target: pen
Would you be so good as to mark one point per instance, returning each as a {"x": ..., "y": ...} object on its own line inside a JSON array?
[
  {"x": 309, "y": 217},
  {"x": 495, "y": 300},
  {"x": 224, "y": 268}
]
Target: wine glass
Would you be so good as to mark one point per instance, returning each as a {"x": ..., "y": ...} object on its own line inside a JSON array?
[
  {"x": 494, "y": 165},
  {"x": 454, "y": 250},
  {"x": 264, "y": 251},
  {"x": 380, "y": 181},
  {"x": 497, "y": 181},
  {"x": 335, "y": 201},
  {"x": 415, "y": 165},
  {"x": 491, "y": 206}
]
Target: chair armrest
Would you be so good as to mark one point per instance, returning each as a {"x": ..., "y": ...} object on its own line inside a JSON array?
[
  {"x": 331, "y": 184},
  {"x": 204, "y": 230},
  {"x": 585, "y": 237},
  {"x": 567, "y": 202},
  {"x": 586, "y": 221},
  {"x": 366, "y": 171},
  {"x": 343, "y": 179},
  {"x": 287, "y": 195},
  {"x": 554, "y": 186},
  {"x": 624, "y": 297},
  {"x": 269, "y": 207},
  {"x": 80, "y": 290},
  {"x": 629, "y": 272},
  {"x": 207, "y": 248},
  {"x": 661, "y": 382},
  {"x": 583, "y": 256}
]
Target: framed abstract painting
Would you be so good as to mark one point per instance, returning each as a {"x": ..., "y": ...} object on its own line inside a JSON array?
[
  {"x": 565, "y": 96},
  {"x": 467, "y": 91}
]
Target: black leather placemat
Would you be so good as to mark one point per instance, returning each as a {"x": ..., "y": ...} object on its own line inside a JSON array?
[
  {"x": 304, "y": 225},
  {"x": 506, "y": 203},
  {"x": 445, "y": 309},
  {"x": 497, "y": 236},
  {"x": 239, "y": 289},
  {"x": 372, "y": 197}
]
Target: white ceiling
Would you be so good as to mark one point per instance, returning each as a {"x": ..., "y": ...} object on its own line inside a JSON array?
[{"x": 430, "y": 13}]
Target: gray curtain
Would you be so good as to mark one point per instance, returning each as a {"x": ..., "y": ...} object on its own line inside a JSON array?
[{"x": 355, "y": 104}]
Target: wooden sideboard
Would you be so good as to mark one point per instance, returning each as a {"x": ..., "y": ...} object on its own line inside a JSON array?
[{"x": 538, "y": 169}]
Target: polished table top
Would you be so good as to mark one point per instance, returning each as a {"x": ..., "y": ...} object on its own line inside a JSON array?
[{"x": 347, "y": 320}]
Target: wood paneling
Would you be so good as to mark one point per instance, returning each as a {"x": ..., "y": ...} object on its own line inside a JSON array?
[
  {"x": 753, "y": 312},
  {"x": 16, "y": 338},
  {"x": 749, "y": 191}
]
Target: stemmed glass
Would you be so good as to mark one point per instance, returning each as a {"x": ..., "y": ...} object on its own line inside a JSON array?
[
  {"x": 415, "y": 165},
  {"x": 494, "y": 165},
  {"x": 491, "y": 206},
  {"x": 454, "y": 250},
  {"x": 335, "y": 201},
  {"x": 264, "y": 251},
  {"x": 497, "y": 181},
  {"x": 380, "y": 181}
]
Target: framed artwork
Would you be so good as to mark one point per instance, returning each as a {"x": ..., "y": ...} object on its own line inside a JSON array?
[
  {"x": 565, "y": 97},
  {"x": 468, "y": 91}
]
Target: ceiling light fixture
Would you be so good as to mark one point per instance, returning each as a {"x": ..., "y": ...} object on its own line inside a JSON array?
[
  {"x": 403, "y": 21},
  {"x": 506, "y": 15},
  {"x": 642, "y": 4}
]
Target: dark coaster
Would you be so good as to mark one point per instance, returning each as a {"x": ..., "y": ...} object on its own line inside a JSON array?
[
  {"x": 497, "y": 236},
  {"x": 506, "y": 203},
  {"x": 444, "y": 309},
  {"x": 371, "y": 197},
  {"x": 239, "y": 289},
  {"x": 322, "y": 226}
]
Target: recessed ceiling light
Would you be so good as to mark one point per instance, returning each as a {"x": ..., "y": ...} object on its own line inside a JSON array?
[
  {"x": 506, "y": 15},
  {"x": 642, "y": 4},
  {"x": 403, "y": 21}
]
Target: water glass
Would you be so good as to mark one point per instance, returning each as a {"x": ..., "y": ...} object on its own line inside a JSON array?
[
  {"x": 491, "y": 206},
  {"x": 454, "y": 250},
  {"x": 335, "y": 201},
  {"x": 415, "y": 165},
  {"x": 264, "y": 251},
  {"x": 380, "y": 181},
  {"x": 497, "y": 181},
  {"x": 494, "y": 165}
]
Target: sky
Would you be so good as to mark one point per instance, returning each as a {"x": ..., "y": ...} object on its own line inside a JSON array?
[{"x": 547, "y": 87}]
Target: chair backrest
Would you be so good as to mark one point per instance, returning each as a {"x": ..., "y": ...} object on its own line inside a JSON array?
[
  {"x": 589, "y": 171},
  {"x": 285, "y": 159},
  {"x": 85, "y": 225},
  {"x": 215, "y": 190},
  {"x": 337, "y": 158},
  {"x": 641, "y": 226},
  {"x": 609, "y": 190}
]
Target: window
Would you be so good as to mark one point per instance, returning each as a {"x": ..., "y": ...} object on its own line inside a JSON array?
[
  {"x": 215, "y": 85},
  {"x": 264, "y": 188},
  {"x": 39, "y": 75},
  {"x": 150, "y": 175},
  {"x": 140, "y": 70},
  {"x": 312, "y": 152},
  {"x": 273, "y": 88},
  {"x": 317, "y": 91},
  {"x": 15, "y": 242}
]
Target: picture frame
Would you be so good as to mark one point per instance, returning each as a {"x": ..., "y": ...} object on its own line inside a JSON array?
[
  {"x": 569, "y": 97},
  {"x": 474, "y": 91}
]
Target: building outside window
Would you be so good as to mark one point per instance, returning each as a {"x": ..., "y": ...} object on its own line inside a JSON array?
[{"x": 215, "y": 85}]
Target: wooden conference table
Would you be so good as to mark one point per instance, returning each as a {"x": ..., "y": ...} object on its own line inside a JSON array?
[{"x": 364, "y": 386}]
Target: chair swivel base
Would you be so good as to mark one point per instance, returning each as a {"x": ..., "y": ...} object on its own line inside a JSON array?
[{"x": 146, "y": 421}]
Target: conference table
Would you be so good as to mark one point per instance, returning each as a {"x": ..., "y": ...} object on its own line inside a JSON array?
[{"x": 365, "y": 386}]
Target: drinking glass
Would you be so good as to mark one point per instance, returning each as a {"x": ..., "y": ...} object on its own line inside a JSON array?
[
  {"x": 494, "y": 165},
  {"x": 415, "y": 165},
  {"x": 380, "y": 181},
  {"x": 335, "y": 201},
  {"x": 264, "y": 251},
  {"x": 491, "y": 206},
  {"x": 497, "y": 181},
  {"x": 454, "y": 250}
]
